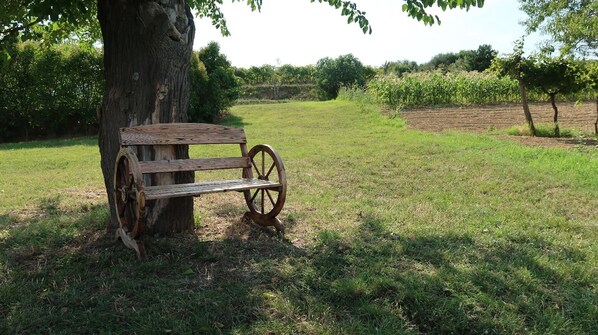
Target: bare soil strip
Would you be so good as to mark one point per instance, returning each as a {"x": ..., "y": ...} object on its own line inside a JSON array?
[{"x": 577, "y": 117}]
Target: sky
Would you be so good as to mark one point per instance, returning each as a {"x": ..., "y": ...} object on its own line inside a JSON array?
[{"x": 299, "y": 32}]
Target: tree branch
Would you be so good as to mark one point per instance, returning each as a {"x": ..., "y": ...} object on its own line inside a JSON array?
[{"x": 16, "y": 29}]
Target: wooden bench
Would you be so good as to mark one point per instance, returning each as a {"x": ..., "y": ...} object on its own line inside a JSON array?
[{"x": 262, "y": 178}]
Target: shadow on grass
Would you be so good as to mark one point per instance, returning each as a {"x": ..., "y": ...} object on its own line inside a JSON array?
[
  {"x": 232, "y": 120},
  {"x": 58, "y": 143},
  {"x": 448, "y": 284},
  {"x": 60, "y": 273}
]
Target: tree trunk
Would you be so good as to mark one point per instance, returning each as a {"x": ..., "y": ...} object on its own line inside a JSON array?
[
  {"x": 557, "y": 131},
  {"x": 596, "y": 123},
  {"x": 147, "y": 53},
  {"x": 526, "y": 112}
]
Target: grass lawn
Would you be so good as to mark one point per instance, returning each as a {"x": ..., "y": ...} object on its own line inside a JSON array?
[{"x": 389, "y": 230}]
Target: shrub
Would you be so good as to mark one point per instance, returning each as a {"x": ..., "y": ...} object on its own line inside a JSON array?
[
  {"x": 332, "y": 74},
  {"x": 213, "y": 85},
  {"x": 49, "y": 92}
]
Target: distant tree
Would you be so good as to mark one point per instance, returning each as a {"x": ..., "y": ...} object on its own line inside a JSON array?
[
  {"x": 399, "y": 68},
  {"x": 441, "y": 61},
  {"x": 257, "y": 75},
  {"x": 590, "y": 80},
  {"x": 572, "y": 24},
  {"x": 369, "y": 72},
  {"x": 214, "y": 86},
  {"x": 465, "y": 60},
  {"x": 290, "y": 74},
  {"x": 554, "y": 76},
  {"x": 332, "y": 74},
  {"x": 517, "y": 67},
  {"x": 480, "y": 59}
]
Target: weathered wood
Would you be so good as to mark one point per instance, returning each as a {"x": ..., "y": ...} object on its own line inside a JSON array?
[
  {"x": 131, "y": 193},
  {"x": 195, "y": 189},
  {"x": 147, "y": 47},
  {"x": 202, "y": 164},
  {"x": 247, "y": 171},
  {"x": 131, "y": 243},
  {"x": 181, "y": 133},
  {"x": 273, "y": 171},
  {"x": 128, "y": 192}
]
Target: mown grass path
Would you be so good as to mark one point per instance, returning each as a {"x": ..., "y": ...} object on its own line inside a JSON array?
[{"x": 389, "y": 231}]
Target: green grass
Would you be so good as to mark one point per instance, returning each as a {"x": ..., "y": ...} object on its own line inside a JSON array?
[
  {"x": 389, "y": 231},
  {"x": 542, "y": 130}
]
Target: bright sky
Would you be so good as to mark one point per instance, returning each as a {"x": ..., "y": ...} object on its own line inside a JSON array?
[{"x": 299, "y": 32}]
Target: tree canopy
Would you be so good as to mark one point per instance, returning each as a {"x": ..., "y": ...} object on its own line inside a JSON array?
[
  {"x": 573, "y": 24},
  {"x": 332, "y": 74},
  {"x": 56, "y": 20}
]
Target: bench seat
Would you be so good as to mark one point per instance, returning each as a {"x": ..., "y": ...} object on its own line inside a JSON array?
[{"x": 195, "y": 189}]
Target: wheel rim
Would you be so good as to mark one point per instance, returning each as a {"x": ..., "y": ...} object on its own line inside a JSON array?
[
  {"x": 126, "y": 198},
  {"x": 266, "y": 165}
]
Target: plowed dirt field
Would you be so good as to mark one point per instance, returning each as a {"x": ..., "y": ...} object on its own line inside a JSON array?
[{"x": 579, "y": 117}]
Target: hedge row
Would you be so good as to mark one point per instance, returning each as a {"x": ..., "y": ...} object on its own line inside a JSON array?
[{"x": 49, "y": 92}]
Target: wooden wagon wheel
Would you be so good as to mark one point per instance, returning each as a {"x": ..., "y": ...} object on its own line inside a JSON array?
[
  {"x": 266, "y": 203},
  {"x": 128, "y": 193}
]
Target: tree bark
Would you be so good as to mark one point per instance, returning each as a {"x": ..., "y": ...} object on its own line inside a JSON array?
[
  {"x": 557, "y": 131},
  {"x": 526, "y": 112},
  {"x": 596, "y": 123},
  {"x": 147, "y": 54}
]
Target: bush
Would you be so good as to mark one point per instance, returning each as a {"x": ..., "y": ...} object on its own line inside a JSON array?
[
  {"x": 49, "y": 92},
  {"x": 332, "y": 74},
  {"x": 213, "y": 85}
]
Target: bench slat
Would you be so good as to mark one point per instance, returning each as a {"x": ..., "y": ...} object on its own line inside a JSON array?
[
  {"x": 181, "y": 133},
  {"x": 178, "y": 165},
  {"x": 186, "y": 190}
]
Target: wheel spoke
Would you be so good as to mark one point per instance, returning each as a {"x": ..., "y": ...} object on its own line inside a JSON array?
[
  {"x": 263, "y": 202},
  {"x": 254, "y": 195},
  {"x": 271, "y": 200},
  {"x": 126, "y": 168},
  {"x": 255, "y": 167},
  {"x": 263, "y": 162},
  {"x": 270, "y": 171},
  {"x": 122, "y": 175},
  {"x": 133, "y": 207}
]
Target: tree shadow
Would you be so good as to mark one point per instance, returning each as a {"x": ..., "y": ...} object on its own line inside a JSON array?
[
  {"x": 583, "y": 142},
  {"x": 447, "y": 284},
  {"x": 60, "y": 272},
  {"x": 232, "y": 120}
]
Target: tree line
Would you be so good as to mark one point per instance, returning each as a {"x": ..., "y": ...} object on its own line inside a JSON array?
[
  {"x": 54, "y": 91},
  {"x": 325, "y": 78}
]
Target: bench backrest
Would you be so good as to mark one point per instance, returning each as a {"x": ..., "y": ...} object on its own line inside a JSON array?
[
  {"x": 181, "y": 133},
  {"x": 167, "y": 134}
]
